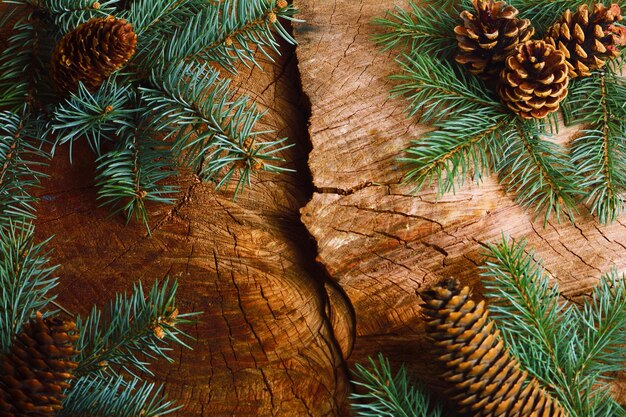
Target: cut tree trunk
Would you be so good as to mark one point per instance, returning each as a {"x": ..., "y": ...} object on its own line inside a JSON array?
[
  {"x": 278, "y": 326},
  {"x": 379, "y": 240}
]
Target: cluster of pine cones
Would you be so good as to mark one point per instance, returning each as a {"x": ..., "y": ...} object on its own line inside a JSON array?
[{"x": 532, "y": 76}]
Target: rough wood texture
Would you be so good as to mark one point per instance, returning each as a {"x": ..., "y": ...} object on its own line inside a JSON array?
[
  {"x": 265, "y": 343},
  {"x": 378, "y": 240}
]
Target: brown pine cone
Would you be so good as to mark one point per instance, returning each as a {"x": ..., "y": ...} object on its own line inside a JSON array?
[
  {"x": 36, "y": 371},
  {"x": 488, "y": 381},
  {"x": 588, "y": 39},
  {"x": 489, "y": 35},
  {"x": 91, "y": 52},
  {"x": 534, "y": 81}
]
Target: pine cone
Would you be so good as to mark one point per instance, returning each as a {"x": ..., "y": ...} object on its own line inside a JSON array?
[
  {"x": 587, "y": 39},
  {"x": 489, "y": 35},
  {"x": 91, "y": 52},
  {"x": 37, "y": 369},
  {"x": 488, "y": 380},
  {"x": 534, "y": 81}
]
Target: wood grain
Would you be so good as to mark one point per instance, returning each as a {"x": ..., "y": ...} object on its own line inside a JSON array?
[{"x": 379, "y": 240}]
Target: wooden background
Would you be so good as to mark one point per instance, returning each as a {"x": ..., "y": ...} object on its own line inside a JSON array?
[{"x": 308, "y": 272}]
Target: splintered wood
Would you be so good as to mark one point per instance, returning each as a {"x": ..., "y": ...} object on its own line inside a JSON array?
[{"x": 378, "y": 240}]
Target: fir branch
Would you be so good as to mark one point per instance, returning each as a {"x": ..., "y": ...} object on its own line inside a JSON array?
[
  {"x": 437, "y": 89},
  {"x": 427, "y": 28},
  {"x": 114, "y": 397},
  {"x": 97, "y": 117},
  {"x": 213, "y": 131},
  {"x": 135, "y": 173},
  {"x": 600, "y": 153},
  {"x": 25, "y": 279},
  {"x": 67, "y": 14},
  {"x": 539, "y": 171},
  {"x": 19, "y": 158},
  {"x": 388, "y": 395},
  {"x": 229, "y": 31},
  {"x": 458, "y": 147},
  {"x": 527, "y": 310},
  {"x": 602, "y": 329},
  {"x": 133, "y": 327},
  {"x": 23, "y": 65}
]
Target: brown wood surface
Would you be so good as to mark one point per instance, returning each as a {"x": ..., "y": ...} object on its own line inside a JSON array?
[
  {"x": 377, "y": 239},
  {"x": 277, "y": 325}
]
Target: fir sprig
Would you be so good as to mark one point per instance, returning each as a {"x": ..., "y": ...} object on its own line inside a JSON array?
[
  {"x": 600, "y": 151},
  {"x": 20, "y": 161},
  {"x": 97, "y": 397},
  {"x": 132, "y": 328},
  {"x": 135, "y": 173},
  {"x": 25, "y": 279},
  {"x": 537, "y": 170},
  {"x": 213, "y": 130},
  {"x": 570, "y": 350},
  {"x": 389, "y": 395},
  {"x": 425, "y": 26}
]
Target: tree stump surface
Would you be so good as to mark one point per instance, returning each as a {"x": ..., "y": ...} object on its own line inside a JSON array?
[
  {"x": 377, "y": 239},
  {"x": 278, "y": 327}
]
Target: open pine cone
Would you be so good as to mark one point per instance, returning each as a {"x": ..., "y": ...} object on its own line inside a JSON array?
[
  {"x": 588, "y": 39},
  {"x": 92, "y": 52},
  {"x": 534, "y": 80},
  {"x": 489, "y": 35},
  {"x": 488, "y": 380},
  {"x": 36, "y": 371}
]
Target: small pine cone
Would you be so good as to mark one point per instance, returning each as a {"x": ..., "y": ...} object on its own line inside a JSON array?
[
  {"x": 534, "y": 81},
  {"x": 91, "y": 52},
  {"x": 36, "y": 371},
  {"x": 488, "y": 381},
  {"x": 489, "y": 35},
  {"x": 588, "y": 39}
]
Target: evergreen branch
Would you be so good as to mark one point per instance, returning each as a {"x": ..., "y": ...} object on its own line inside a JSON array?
[
  {"x": 19, "y": 157},
  {"x": 97, "y": 117},
  {"x": 214, "y": 131},
  {"x": 602, "y": 327},
  {"x": 229, "y": 31},
  {"x": 437, "y": 89},
  {"x": 538, "y": 170},
  {"x": 134, "y": 173},
  {"x": 23, "y": 63},
  {"x": 527, "y": 311},
  {"x": 131, "y": 328},
  {"x": 25, "y": 279},
  {"x": 600, "y": 153},
  {"x": 426, "y": 28},
  {"x": 67, "y": 14},
  {"x": 114, "y": 397},
  {"x": 387, "y": 395},
  {"x": 459, "y": 146}
]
